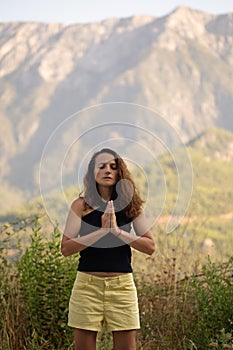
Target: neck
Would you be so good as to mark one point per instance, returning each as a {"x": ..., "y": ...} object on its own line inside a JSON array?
[{"x": 105, "y": 193}]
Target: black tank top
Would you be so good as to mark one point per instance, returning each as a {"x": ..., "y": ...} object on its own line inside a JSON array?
[{"x": 108, "y": 254}]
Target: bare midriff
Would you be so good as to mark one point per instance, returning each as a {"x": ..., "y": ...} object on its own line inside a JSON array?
[{"x": 105, "y": 274}]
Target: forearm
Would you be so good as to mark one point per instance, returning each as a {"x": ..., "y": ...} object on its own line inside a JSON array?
[
  {"x": 73, "y": 245},
  {"x": 140, "y": 243}
]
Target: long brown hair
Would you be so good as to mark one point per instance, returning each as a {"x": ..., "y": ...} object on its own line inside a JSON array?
[{"x": 127, "y": 196}]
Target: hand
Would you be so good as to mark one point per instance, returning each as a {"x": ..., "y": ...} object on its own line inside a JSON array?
[
  {"x": 109, "y": 221},
  {"x": 114, "y": 227},
  {"x": 106, "y": 218}
]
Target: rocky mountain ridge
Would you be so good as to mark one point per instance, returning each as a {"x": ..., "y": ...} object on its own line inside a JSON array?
[{"x": 179, "y": 65}]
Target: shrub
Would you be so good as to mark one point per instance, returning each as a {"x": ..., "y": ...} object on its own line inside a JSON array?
[
  {"x": 212, "y": 303},
  {"x": 45, "y": 285},
  {"x": 188, "y": 314}
]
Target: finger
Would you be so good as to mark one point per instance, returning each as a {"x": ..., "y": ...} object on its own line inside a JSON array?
[
  {"x": 106, "y": 222},
  {"x": 109, "y": 208},
  {"x": 112, "y": 206}
]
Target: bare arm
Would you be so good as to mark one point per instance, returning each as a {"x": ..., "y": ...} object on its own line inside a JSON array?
[
  {"x": 71, "y": 243},
  {"x": 143, "y": 241}
]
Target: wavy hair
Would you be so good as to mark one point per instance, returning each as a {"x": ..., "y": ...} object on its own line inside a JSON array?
[{"x": 125, "y": 192}]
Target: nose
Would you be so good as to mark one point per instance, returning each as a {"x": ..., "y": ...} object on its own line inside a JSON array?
[{"x": 108, "y": 169}]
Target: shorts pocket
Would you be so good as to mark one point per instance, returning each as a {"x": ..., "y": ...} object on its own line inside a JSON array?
[
  {"x": 127, "y": 286},
  {"x": 79, "y": 284}
]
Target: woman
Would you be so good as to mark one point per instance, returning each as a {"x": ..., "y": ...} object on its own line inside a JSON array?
[{"x": 98, "y": 227}]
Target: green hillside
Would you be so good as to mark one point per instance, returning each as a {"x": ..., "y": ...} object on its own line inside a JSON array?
[
  {"x": 210, "y": 212},
  {"x": 211, "y": 156}
]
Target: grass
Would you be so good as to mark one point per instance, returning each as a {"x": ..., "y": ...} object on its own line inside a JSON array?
[{"x": 185, "y": 302}]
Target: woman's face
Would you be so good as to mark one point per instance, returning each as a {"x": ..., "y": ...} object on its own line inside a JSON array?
[{"x": 105, "y": 171}]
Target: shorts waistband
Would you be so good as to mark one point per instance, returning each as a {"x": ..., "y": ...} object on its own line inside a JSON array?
[{"x": 85, "y": 277}]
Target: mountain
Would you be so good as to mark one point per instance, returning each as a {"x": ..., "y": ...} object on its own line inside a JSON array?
[
  {"x": 214, "y": 144},
  {"x": 178, "y": 66},
  {"x": 211, "y": 202},
  {"x": 208, "y": 191}
]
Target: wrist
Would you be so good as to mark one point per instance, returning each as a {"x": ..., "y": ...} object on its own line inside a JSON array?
[
  {"x": 118, "y": 232},
  {"x": 104, "y": 230}
]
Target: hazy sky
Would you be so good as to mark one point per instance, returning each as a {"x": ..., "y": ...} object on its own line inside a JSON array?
[{"x": 75, "y": 11}]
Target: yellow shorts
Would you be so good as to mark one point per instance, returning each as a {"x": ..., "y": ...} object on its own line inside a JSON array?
[{"x": 104, "y": 301}]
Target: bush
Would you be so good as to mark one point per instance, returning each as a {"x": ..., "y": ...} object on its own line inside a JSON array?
[
  {"x": 193, "y": 313},
  {"x": 212, "y": 304},
  {"x": 45, "y": 284}
]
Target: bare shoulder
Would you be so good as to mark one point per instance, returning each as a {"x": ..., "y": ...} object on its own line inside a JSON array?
[{"x": 77, "y": 206}]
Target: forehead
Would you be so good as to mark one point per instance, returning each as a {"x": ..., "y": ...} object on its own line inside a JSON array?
[{"x": 105, "y": 158}]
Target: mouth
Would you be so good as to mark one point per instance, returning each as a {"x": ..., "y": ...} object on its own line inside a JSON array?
[{"x": 107, "y": 178}]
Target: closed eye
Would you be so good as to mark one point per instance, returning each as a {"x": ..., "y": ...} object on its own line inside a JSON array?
[{"x": 113, "y": 166}]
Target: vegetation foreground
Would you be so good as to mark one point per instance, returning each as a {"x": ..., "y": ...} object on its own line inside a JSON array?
[{"x": 178, "y": 311}]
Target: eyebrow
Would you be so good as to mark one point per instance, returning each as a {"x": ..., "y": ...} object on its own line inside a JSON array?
[{"x": 110, "y": 162}]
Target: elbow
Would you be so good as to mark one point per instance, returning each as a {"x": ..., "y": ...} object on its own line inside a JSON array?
[
  {"x": 64, "y": 251},
  {"x": 151, "y": 249}
]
